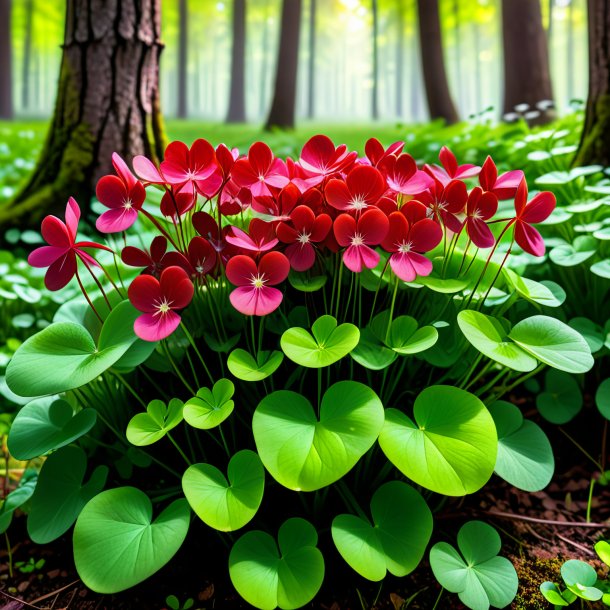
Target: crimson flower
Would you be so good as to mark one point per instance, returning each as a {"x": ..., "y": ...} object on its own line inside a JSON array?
[
  {"x": 178, "y": 201},
  {"x": 200, "y": 258},
  {"x": 234, "y": 199},
  {"x": 446, "y": 202},
  {"x": 255, "y": 295},
  {"x": 305, "y": 229},
  {"x": 320, "y": 158},
  {"x": 403, "y": 176},
  {"x": 60, "y": 255},
  {"x": 358, "y": 236},
  {"x": 159, "y": 299},
  {"x": 537, "y": 210},
  {"x": 226, "y": 158},
  {"x": 278, "y": 207},
  {"x": 504, "y": 186},
  {"x": 207, "y": 226},
  {"x": 183, "y": 165},
  {"x": 260, "y": 237},
  {"x": 362, "y": 188},
  {"x": 375, "y": 152},
  {"x": 481, "y": 206},
  {"x": 451, "y": 170},
  {"x": 154, "y": 260},
  {"x": 411, "y": 234},
  {"x": 260, "y": 170}
]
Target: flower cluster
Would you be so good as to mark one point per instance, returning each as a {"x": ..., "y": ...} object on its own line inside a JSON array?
[{"x": 253, "y": 218}]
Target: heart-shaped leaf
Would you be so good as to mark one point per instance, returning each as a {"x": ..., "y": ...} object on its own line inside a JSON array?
[
  {"x": 226, "y": 506},
  {"x": 371, "y": 353},
  {"x": 553, "y": 595},
  {"x": 451, "y": 446},
  {"x": 478, "y": 575},
  {"x": 602, "y": 398},
  {"x": 269, "y": 577},
  {"x": 17, "y": 498},
  {"x": 403, "y": 335},
  {"x": 602, "y": 548},
  {"x": 554, "y": 343},
  {"x": 328, "y": 344},
  {"x": 562, "y": 399},
  {"x": 60, "y": 494},
  {"x": 397, "y": 540},
  {"x": 525, "y": 456},
  {"x": 304, "y": 453},
  {"x": 64, "y": 356},
  {"x": 210, "y": 407},
  {"x": 45, "y": 424},
  {"x": 117, "y": 544},
  {"x": 305, "y": 282},
  {"x": 147, "y": 428},
  {"x": 488, "y": 335},
  {"x": 580, "y": 578},
  {"x": 243, "y": 365},
  {"x": 569, "y": 255}
]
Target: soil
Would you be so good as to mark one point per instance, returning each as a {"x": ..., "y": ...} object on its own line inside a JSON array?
[{"x": 539, "y": 531}]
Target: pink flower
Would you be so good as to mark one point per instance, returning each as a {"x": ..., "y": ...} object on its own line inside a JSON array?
[
  {"x": 411, "y": 234},
  {"x": 320, "y": 158},
  {"x": 260, "y": 170},
  {"x": 183, "y": 165},
  {"x": 537, "y": 210},
  {"x": 451, "y": 170},
  {"x": 362, "y": 188},
  {"x": 159, "y": 299},
  {"x": 481, "y": 206},
  {"x": 376, "y": 153},
  {"x": 358, "y": 237},
  {"x": 261, "y": 237},
  {"x": 255, "y": 295},
  {"x": 503, "y": 187},
  {"x": 403, "y": 176},
  {"x": 60, "y": 255}
]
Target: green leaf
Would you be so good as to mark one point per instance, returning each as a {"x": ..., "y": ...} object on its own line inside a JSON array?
[
  {"x": 243, "y": 365},
  {"x": 210, "y": 407},
  {"x": 304, "y": 453},
  {"x": 371, "y": 353},
  {"x": 226, "y": 506},
  {"x": 117, "y": 544},
  {"x": 328, "y": 344},
  {"x": 64, "y": 356},
  {"x": 545, "y": 293},
  {"x": 150, "y": 427},
  {"x": 592, "y": 333},
  {"x": 554, "y": 343},
  {"x": 45, "y": 424},
  {"x": 525, "y": 456},
  {"x": 60, "y": 494},
  {"x": 602, "y": 268},
  {"x": 570, "y": 255},
  {"x": 397, "y": 540},
  {"x": 404, "y": 336},
  {"x": 552, "y": 594},
  {"x": 269, "y": 577},
  {"x": 451, "y": 446},
  {"x": 602, "y": 548},
  {"x": 562, "y": 399},
  {"x": 580, "y": 578},
  {"x": 478, "y": 575},
  {"x": 488, "y": 335},
  {"x": 305, "y": 282},
  {"x": 17, "y": 498},
  {"x": 602, "y": 398}
]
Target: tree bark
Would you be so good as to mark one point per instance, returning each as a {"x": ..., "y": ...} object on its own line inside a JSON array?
[
  {"x": 283, "y": 106},
  {"x": 107, "y": 101},
  {"x": 27, "y": 54},
  {"x": 400, "y": 50},
  {"x": 595, "y": 140},
  {"x": 237, "y": 92},
  {"x": 440, "y": 104},
  {"x": 311, "y": 80},
  {"x": 6, "y": 61},
  {"x": 527, "y": 78},
  {"x": 375, "y": 42},
  {"x": 183, "y": 37}
]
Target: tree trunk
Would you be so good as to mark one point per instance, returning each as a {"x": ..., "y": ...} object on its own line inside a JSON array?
[
  {"x": 183, "y": 37},
  {"x": 375, "y": 41},
  {"x": 570, "y": 50},
  {"x": 311, "y": 81},
  {"x": 264, "y": 67},
  {"x": 527, "y": 78},
  {"x": 440, "y": 103},
  {"x": 6, "y": 72},
  {"x": 27, "y": 54},
  {"x": 400, "y": 50},
  {"x": 107, "y": 101},
  {"x": 283, "y": 106},
  {"x": 595, "y": 140},
  {"x": 237, "y": 93}
]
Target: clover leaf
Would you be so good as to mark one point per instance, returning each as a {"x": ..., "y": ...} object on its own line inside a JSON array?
[
  {"x": 210, "y": 407},
  {"x": 147, "y": 428}
]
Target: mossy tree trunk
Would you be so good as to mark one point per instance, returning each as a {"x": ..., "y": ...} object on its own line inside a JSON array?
[
  {"x": 595, "y": 140},
  {"x": 6, "y": 79},
  {"x": 237, "y": 91},
  {"x": 107, "y": 101}
]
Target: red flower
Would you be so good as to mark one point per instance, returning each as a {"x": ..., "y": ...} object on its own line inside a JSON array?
[
  {"x": 451, "y": 170},
  {"x": 403, "y": 176},
  {"x": 200, "y": 258},
  {"x": 234, "y": 199},
  {"x": 446, "y": 202},
  {"x": 357, "y": 236},
  {"x": 154, "y": 260},
  {"x": 207, "y": 226},
  {"x": 320, "y": 158},
  {"x": 255, "y": 295},
  {"x": 375, "y": 152},
  {"x": 278, "y": 207},
  {"x": 537, "y": 210},
  {"x": 60, "y": 255},
  {"x": 159, "y": 299},
  {"x": 183, "y": 165},
  {"x": 305, "y": 229},
  {"x": 361, "y": 189},
  {"x": 410, "y": 234},
  {"x": 481, "y": 206},
  {"x": 261, "y": 237},
  {"x": 178, "y": 201},
  {"x": 503, "y": 187},
  {"x": 260, "y": 170}
]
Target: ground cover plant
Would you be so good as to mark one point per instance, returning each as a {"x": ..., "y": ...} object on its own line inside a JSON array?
[{"x": 284, "y": 343}]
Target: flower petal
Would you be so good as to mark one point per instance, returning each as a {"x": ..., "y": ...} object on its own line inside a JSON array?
[
  {"x": 154, "y": 327},
  {"x": 117, "y": 220},
  {"x": 144, "y": 292},
  {"x": 61, "y": 271},
  {"x": 240, "y": 270},
  {"x": 111, "y": 191},
  {"x": 176, "y": 287},
  {"x": 275, "y": 267},
  {"x": 373, "y": 225},
  {"x": 529, "y": 238}
]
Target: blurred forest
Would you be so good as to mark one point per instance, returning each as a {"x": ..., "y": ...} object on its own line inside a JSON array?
[{"x": 336, "y": 75}]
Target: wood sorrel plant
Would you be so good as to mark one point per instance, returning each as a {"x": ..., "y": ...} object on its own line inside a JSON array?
[{"x": 312, "y": 337}]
